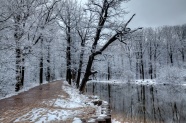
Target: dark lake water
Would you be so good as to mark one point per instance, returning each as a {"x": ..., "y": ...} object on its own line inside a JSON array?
[{"x": 156, "y": 103}]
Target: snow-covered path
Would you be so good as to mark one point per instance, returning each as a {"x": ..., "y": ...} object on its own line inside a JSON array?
[{"x": 55, "y": 101}]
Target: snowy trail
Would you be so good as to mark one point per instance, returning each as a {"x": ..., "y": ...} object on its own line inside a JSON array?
[{"x": 54, "y": 101}]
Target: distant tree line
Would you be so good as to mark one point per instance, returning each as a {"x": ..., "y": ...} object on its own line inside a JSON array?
[{"x": 152, "y": 53}]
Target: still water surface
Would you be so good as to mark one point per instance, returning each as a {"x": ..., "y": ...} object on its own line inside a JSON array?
[{"x": 156, "y": 103}]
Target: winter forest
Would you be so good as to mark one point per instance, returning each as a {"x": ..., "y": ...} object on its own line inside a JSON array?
[{"x": 46, "y": 40}]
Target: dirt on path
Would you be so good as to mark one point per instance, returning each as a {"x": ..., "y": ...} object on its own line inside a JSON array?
[{"x": 16, "y": 106}]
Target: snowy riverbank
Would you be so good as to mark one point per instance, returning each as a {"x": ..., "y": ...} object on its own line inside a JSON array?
[
  {"x": 64, "y": 108},
  {"x": 66, "y": 105},
  {"x": 139, "y": 82}
]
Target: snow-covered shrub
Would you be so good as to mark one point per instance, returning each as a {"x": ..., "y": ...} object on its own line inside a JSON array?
[{"x": 172, "y": 74}]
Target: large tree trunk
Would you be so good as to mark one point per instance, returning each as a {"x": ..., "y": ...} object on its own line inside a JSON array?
[
  {"x": 41, "y": 64},
  {"x": 68, "y": 51},
  {"x": 68, "y": 72},
  {"x": 87, "y": 73},
  {"x": 17, "y": 36},
  {"x": 18, "y": 69},
  {"x": 68, "y": 65},
  {"x": 41, "y": 70}
]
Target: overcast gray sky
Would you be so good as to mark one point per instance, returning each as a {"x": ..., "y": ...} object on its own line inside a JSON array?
[{"x": 154, "y": 13}]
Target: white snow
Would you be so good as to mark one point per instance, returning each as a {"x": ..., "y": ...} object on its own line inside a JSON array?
[
  {"x": 47, "y": 115},
  {"x": 67, "y": 104},
  {"x": 114, "y": 121},
  {"x": 146, "y": 82},
  {"x": 74, "y": 94},
  {"x": 61, "y": 108},
  {"x": 91, "y": 120},
  {"x": 77, "y": 120}
]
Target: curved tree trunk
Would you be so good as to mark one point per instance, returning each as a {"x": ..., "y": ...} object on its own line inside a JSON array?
[{"x": 87, "y": 73}]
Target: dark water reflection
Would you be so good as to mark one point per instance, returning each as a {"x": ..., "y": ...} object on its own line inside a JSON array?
[{"x": 158, "y": 103}]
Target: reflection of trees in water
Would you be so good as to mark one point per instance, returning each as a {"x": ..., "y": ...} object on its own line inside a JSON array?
[{"x": 158, "y": 103}]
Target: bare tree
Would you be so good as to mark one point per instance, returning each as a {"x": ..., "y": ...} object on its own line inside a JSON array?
[
  {"x": 104, "y": 14},
  {"x": 48, "y": 15},
  {"x": 67, "y": 16},
  {"x": 20, "y": 10},
  {"x": 181, "y": 34},
  {"x": 83, "y": 28}
]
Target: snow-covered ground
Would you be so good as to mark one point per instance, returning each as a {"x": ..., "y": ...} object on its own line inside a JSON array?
[
  {"x": 63, "y": 108},
  {"x": 70, "y": 107},
  {"x": 60, "y": 109}
]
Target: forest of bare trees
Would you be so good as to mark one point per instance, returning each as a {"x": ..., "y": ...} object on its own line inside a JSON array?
[
  {"x": 152, "y": 53},
  {"x": 43, "y": 40}
]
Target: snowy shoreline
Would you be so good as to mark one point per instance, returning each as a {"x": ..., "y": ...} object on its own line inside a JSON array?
[
  {"x": 139, "y": 82},
  {"x": 71, "y": 107}
]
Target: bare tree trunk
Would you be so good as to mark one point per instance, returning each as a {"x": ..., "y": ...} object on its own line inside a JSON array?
[
  {"x": 41, "y": 70},
  {"x": 68, "y": 65},
  {"x": 87, "y": 73},
  {"x": 137, "y": 65},
  {"x": 68, "y": 72},
  {"x": 41, "y": 64},
  {"x": 17, "y": 36},
  {"x": 142, "y": 73},
  {"x": 80, "y": 66},
  {"x": 22, "y": 72},
  {"x": 183, "y": 55},
  {"x": 155, "y": 66},
  {"x": 171, "y": 58},
  {"x": 48, "y": 73},
  {"x": 102, "y": 18},
  {"x": 108, "y": 70},
  {"x": 18, "y": 69},
  {"x": 150, "y": 62}
]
